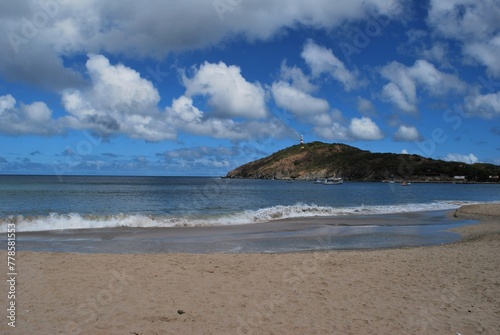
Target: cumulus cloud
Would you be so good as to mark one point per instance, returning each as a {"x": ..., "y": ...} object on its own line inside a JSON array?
[
  {"x": 118, "y": 101},
  {"x": 333, "y": 131},
  {"x": 322, "y": 61},
  {"x": 403, "y": 97},
  {"x": 404, "y": 81},
  {"x": 7, "y": 102},
  {"x": 365, "y": 129},
  {"x": 184, "y": 116},
  {"x": 486, "y": 106},
  {"x": 469, "y": 159},
  {"x": 23, "y": 119},
  {"x": 293, "y": 93},
  {"x": 229, "y": 94},
  {"x": 331, "y": 126},
  {"x": 474, "y": 24},
  {"x": 407, "y": 134},
  {"x": 32, "y": 50},
  {"x": 296, "y": 101},
  {"x": 296, "y": 77}
]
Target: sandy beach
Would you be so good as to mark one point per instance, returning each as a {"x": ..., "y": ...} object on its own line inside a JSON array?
[{"x": 445, "y": 289}]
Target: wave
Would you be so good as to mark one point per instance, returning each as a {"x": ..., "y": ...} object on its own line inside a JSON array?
[{"x": 55, "y": 221}]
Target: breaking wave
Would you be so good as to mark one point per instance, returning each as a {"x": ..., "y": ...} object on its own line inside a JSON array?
[{"x": 56, "y": 221}]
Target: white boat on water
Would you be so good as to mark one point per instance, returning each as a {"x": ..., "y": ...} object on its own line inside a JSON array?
[
  {"x": 318, "y": 181},
  {"x": 333, "y": 181}
]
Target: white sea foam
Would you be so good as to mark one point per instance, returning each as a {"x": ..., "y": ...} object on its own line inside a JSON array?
[{"x": 56, "y": 221}]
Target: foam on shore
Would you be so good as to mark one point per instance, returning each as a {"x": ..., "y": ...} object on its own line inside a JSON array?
[{"x": 55, "y": 221}]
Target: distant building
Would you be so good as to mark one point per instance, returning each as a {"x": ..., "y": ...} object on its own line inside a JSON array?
[
  {"x": 301, "y": 139},
  {"x": 459, "y": 179}
]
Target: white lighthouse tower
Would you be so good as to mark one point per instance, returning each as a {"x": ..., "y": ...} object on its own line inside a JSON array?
[{"x": 301, "y": 139}]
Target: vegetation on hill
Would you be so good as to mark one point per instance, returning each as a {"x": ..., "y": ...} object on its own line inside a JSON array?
[{"x": 321, "y": 160}]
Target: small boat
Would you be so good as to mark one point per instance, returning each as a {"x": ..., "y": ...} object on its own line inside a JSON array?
[
  {"x": 404, "y": 183},
  {"x": 333, "y": 181},
  {"x": 318, "y": 181}
]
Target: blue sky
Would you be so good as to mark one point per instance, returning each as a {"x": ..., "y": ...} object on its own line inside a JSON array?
[{"x": 200, "y": 87}]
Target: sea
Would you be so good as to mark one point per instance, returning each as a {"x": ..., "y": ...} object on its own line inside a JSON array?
[{"x": 207, "y": 213}]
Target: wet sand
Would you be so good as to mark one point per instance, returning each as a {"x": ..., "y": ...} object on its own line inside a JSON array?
[
  {"x": 286, "y": 235},
  {"x": 441, "y": 289}
]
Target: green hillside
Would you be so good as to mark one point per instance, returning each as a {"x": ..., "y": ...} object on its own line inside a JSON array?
[{"x": 320, "y": 160}]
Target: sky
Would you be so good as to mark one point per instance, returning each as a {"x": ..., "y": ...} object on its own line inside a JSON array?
[{"x": 199, "y": 87}]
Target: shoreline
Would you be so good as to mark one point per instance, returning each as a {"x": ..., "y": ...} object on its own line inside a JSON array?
[
  {"x": 301, "y": 234},
  {"x": 442, "y": 289},
  {"x": 416, "y": 181}
]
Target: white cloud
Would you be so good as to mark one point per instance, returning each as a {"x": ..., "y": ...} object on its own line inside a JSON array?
[
  {"x": 332, "y": 126},
  {"x": 404, "y": 81},
  {"x": 150, "y": 28},
  {"x": 437, "y": 52},
  {"x": 469, "y": 159},
  {"x": 486, "y": 106},
  {"x": 6, "y": 102},
  {"x": 229, "y": 94},
  {"x": 293, "y": 93},
  {"x": 184, "y": 116},
  {"x": 184, "y": 110},
  {"x": 407, "y": 134},
  {"x": 118, "y": 101},
  {"x": 404, "y": 98},
  {"x": 475, "y": 24},
  {"x": 486, "y": 53},
  {"x": 296, "y": 78},
  {"x": 433, "y": 80},
  {"x": 404, "y": 152},
  {"x": 365, "y": 129},
  {"x": 322, "y": 60},
  {"x": 117, "y": 87},
  {"x": 296, "y": 101},
  {"x": 333, "y": 131},
  {"x": 22, "y": 119}
]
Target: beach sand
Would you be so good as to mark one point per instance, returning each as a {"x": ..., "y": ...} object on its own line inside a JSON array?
[{"x": 441, "y": 289}]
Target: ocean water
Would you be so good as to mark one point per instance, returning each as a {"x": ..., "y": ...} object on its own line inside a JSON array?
[
  {"x": 38, "y": 203},
  {"x": 73, "y": 203}
]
